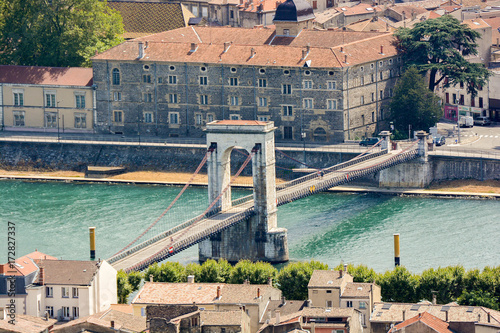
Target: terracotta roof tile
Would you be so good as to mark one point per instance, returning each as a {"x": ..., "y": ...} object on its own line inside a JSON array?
[
  {"x": 62, "y": 76},
  {"x": 25, "y": 265},
  {"x": 150, "y": 17},
  {"x": 494, "y": 22},
  {"x": 356, "y": 289},
  {"x": 362, "y": 8},
  {"x": 285, "y": 309},
  {"x": 371, "y": 25},
  {"x": 258, "y": 6},
  {"x": 27, "y": 324},
  {"x": 69, "y": 272},
  {"x": 328, "y": 278},
  {"x": 429, "y": 320},
  {"x": 477, "y": 23}
]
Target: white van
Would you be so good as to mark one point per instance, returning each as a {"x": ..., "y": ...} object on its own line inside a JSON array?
[{"x": 465, "y": 121}]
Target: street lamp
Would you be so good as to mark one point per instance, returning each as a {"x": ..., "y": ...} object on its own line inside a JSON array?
[
  {"x": 57, "y": 121},
  {"x": 458, "y": 115},
  {"x": 303, "y": 136}
]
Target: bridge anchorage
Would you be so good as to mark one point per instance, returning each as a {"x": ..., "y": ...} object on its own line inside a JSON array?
[{"x": 257, "y": 238}]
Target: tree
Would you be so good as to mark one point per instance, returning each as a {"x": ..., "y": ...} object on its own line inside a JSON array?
[
  {"x": 294, "y": 278},
  {"x": 255, "y": 273},
  {"x": 57, "y": 32},
  {"x": 123, "y": 287},
  {"x": 166, "y": 272},
  {"x": 360, "y": 273},
  {"x": 439, "y": 46},
  {"x": 413, "y": 104},
  {"x": 398, "y": 285},
  {"x": 446, "y": 283},
  {"x": 135, "y": 279},
  {"x": 478, "y": 298}
]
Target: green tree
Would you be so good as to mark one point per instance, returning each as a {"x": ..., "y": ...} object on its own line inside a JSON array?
[
  {"x": 294, "y": 278},
  {"x": 446, "y": 283},
  {"x": 413, "y": 104},
  {"x": 360, "y": 273},
  {"x": 123, "y": 287},
  {"x": 398, "y": 285},
  {"x": 479, "y": 298},
  {"x": 209, "y": 272},
  {"x": 166, "y": 272},
  {"x": 439, "y": 47},
  {"x": 56, "y": 33},
  {"x": 225, "y": 270},
  {"x": 135, "y": 279}
]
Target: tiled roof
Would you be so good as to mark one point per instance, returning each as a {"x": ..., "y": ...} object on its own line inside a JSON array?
[
  {"x": 146, "y": 18},
  {"x": 125, "y": 308},
  {"x": 370, "y": 25},
  {"x": 327, "y": 278},
  {"x": 258, "y": 6},
  {"x": 127, "y": 321},
  {"x": 494, "y": 22},
  {"x": 285, "y": 309},
  {"x": 326, "y": 15},
  {"x": 357, "y": 289},
  {"x": 25, "y": 265},
  {"x": 27, "y": 324},
  {"x": 477, "y": 23},
  {"x": 458, "y": 313},
  {"x": 429, "y": 4},
  {"x": 429, "y": 320},
  {"x": 221, "y": 318},
  {"x": 408, "y": 8},
  {"x": 69, "y": 272},
  {"x": 200, "y": 293},
  {"x": 256, "y": 47},
  {"x": 60, "y": 76},
  {"x": 362, "y": 8}
]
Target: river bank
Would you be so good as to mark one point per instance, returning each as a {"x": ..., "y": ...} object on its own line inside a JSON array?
[{"x": 462, "y": 188}]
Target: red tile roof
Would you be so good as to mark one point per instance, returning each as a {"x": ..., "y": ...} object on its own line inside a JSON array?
[
  {"x": 25, "y": 265},
  {"x": 268, "y": 50},
  {"x": 426, "y": 318},
  {"x": 258, "y": 6},
  {"x": 59, "y": 76},
  {"x": 362, "y": 8},
  {"x": 494, "y": 22}
]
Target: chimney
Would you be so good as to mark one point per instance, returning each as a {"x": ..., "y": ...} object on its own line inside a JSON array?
[
  {"x": 252, "y": 52},
  {"x": 141, "y": 50},
  {"x": 342, "y": 49},
  {"x": 41, "y": 276},
  {"x": 404, "y": 315},
  {"x": 446, "y": 316},
  {"x": 46, "y": 315},
  {"x": 112, "y": 324},
  {"x": 304, "y": 54},
  {"x": 345, "y": 60},
  {"x": 381, "y": 49},
  {"x": 246, "y": 281},
  {"x": 270, "y": 281},
  {"x": 150, "y": 277},
  {"x": 190, "y": 278},
  {"x": 226, "y": 46},
  {"x": 498, "y": 42},
  {"x": 309, "y": 303},
  {"x": 194, "y": 47},
  {"x": 313, "y": 327},
  {"x": 434, "y": 299},
  {"x": 258, "y": 292},
  {"x": 345, "y": 268},
  {"x": 387, "y": 27},
  {"x": 341, "y": 271},
  {"x": 283, "y": 300},
  {"x": 277, "y": 316},
  {"x": 218, "y": 292},
  {"x": 489, "y": 317}
]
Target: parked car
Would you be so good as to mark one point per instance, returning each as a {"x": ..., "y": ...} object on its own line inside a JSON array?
[
  {"x": 465, "y": 121},
  {"x": 369, "y": 141},
  {"x": 483, "y": 121},
  {"x": 439, "y": 140}
]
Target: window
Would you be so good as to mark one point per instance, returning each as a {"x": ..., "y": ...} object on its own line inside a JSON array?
[
  {"x": 51, "y": 119},
  {"x": 373, "y": 97},
  {"x": 381, "y": 63},
  {"x": 194, "y": 321},
  {"x": 308, "y": 84},
  {"x": 148, "y": 97},
  {"x": 65, "y": 292},
  {"x": 331, "y": 104},
  {"x": 329, "y": 291},
  {"x": 263, "y": 118},
  {"x": 390, "y": 92},
  {"x": 390, "y": 61},
  {"x": 481, "y": 102},
  {"x": 210, "y": 117},
  {"x": 329, "y": 304},
  {"x": 18, "y": 118},
  {"x": 146, "y": 78},
  {"x": 371, "y": 66},
  {"x": 391, "y": 73},
  {"x": 50, "y": 99},
  {"x": 287, "y": 110},
  {"x": 118, "y": 116},
  {"x": 454, "y": 98},
  {"x": 362, "y": 100},
  {"x": 381, "y": 94},
  {"x": 287, "y": 132},
  {"x": 76, "y": 312},
  {"x": 233, "y": 69},
  {"x": 349, "y": 304},
  {"x": 49, "y": 292},
  {"x": 204, "y": 99},
  {"x": 204, "y": 11},
  {"x": 262, "y": 71},
  {"x": 194, "y": 10},
  {"x": 117, "y": 96},
  {"x": 307, "y": 73},
  {"x": 198, "y": 119},
  {"x": 75, "y": 293},
  {"x": 315, "y": 291},
  {"x": 80, "y": 101},
  {"x": 172, "y": 79},
  {"x": 262, "y": 83},
  {"x": 160, "y": 79},
  {"x": 461, "y": 85},
  {"x": 203, "y": 80},
  {"x": 18, "y": 97},
  {"x": 172, "y": 68},
  {"x": 116, "y": 76},
  {"x": 80, "y": 122},
  {"x": 308, "y": 103},
  {"x": 373, "y": 78},
  {"x": 231, "y": 14},
  {"x": 148, "y": 117},
  {"x": 447, "y": 97},
  {"x": 315, "y": 4},
  {"x": 65, "y": 311},
  {"x": 234, "y": 100},
  {"x": 381, "y": 75},
  {"x": 461, "y": 100},
  {"x": 173, "y": 118},
  {"x": 362, "y": 80},
  {"x": 203, "y": 69},
  {"x": 373, "y": 116},
  {"x": 331, "y": 85},
  {"x": 286, "y": 72},
  {"x": 234, "y": 116},
  {"x": 362, "y": 69},
  {"x": 233, "y": 81},
  {"x": 286, "y": 89},
  {"x": 473, "y": 102},
  {"x": 262, "y": 101},
  {"x": 172, "y": 98},
  {"x": 362, "y": 305},
  {"x": 50, "y": 311}
]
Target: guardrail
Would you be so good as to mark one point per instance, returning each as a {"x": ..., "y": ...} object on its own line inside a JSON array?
[{"x": 465, "y": 152}]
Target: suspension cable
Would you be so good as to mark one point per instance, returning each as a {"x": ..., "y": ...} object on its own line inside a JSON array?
[
  {"x": 250, "y": 156},
  {"x": 203, "y": 161}
]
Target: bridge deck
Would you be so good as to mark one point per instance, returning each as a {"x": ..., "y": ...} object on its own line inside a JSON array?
[{"x": 176, "y": 240}]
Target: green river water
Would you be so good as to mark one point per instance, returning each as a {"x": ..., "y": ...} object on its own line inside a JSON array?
[{"x": 355, "y": 228}]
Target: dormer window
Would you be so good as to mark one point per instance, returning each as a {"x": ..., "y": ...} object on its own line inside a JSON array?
[{"x": 286, "y": 32}]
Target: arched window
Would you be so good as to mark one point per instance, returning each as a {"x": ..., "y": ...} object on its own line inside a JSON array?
[
  {"x": 116, "y": 76},
  {"x": 319, "y": 134}
]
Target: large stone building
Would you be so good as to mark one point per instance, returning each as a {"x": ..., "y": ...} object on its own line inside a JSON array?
[{"x": 317, "y": 85}]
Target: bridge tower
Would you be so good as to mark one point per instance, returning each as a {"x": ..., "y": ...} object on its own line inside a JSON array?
[{"x": 259, "y": 238}]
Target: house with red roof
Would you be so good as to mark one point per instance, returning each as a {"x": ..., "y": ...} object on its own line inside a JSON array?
[{"x": 48, "y": 99}]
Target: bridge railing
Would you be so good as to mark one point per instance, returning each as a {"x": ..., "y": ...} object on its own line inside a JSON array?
[{"x": 464, "y": 152}]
